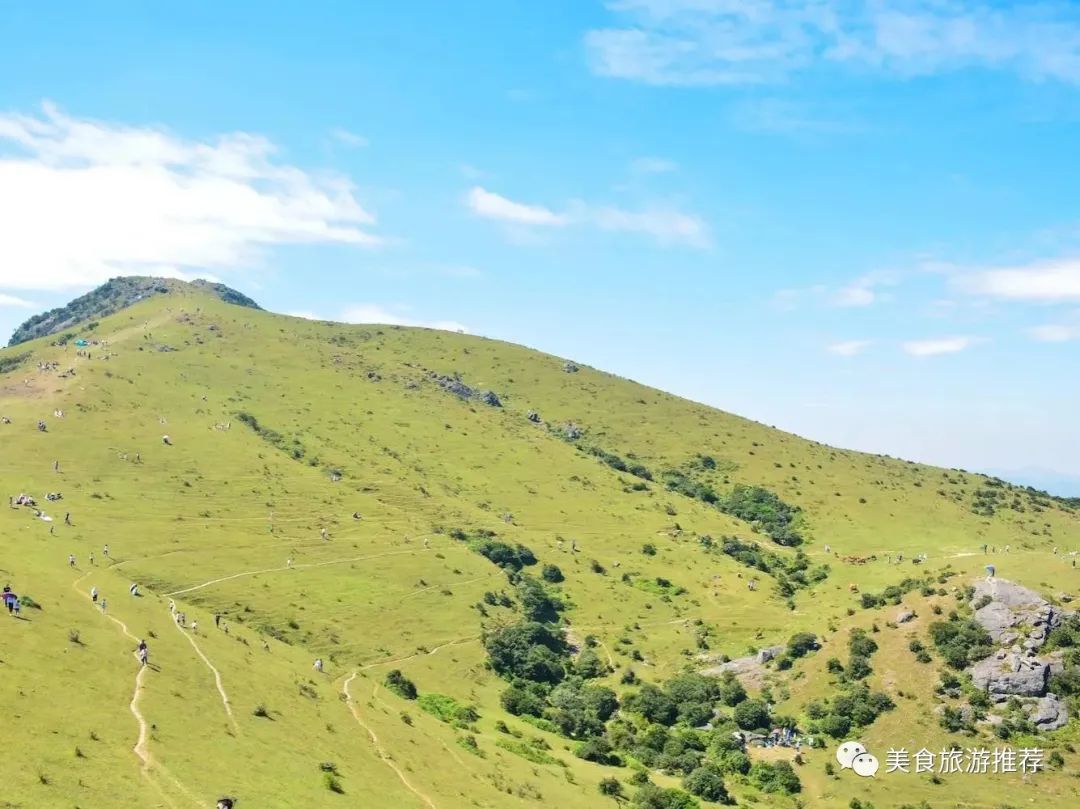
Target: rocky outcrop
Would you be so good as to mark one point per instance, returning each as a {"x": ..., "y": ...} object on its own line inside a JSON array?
[
  {"x": 490, "y": 398},
  {"x": 1014, "y": 613},
  {"x": 569, "y": 367},
  {"x": 904, "y": 616},
  {"x": 1049, "y": 713},
  {"x": 1011, "y": 674}
]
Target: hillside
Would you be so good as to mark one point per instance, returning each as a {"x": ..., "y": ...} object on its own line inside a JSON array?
[
  {"x": 112, "y": 296},
  {"x": 529, "y": 543}
]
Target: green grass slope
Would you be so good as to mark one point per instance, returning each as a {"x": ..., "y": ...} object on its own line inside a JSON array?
[{"x": 281, "y": 429}]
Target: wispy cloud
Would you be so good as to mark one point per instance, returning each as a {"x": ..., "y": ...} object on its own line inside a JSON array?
[
  {"x": 864, "y": 290},
  {"x": 940, "y": 345},
  {"x": 1054, "y": 333},
  {"x": 664, "y": 225},
  {"x": 376, "y": 314},
  {"x": 718, "y": 42},
  {"x": 495, "y": 206},
  {"x": 653, "y": 165},
  {"x": 848, "y": 348},
  {"x": 775, "y": 116},
  {"x": 348, "y": 138},
  {"x": 16, "y": 303},
  {"x": 1044, "y": 282},
  {"x": 82, "y": 201}
]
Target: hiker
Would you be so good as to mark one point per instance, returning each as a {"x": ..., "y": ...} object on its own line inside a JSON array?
[
  {"x": 134, "y": 589},
  {"x": 427, "y": 542},
  {"x": 103, "y": 605},
  {"x": 288, "y": 563},
  {"x": 93, "y": 594},
  {"x": 217, "y": 620},
  {"x": 323, "y": 534},
  {"x": 827, "y": 549},
  {"x": 105, "y": 550},
  {"x": 56, "y": 466},
  {"x": 172, "y": 606},
  {"x": 573, "y": 546},
  {"x": 356, "y": 515},
  {"x": 9, "y": 600},
  {"x": 166, "y": 440},
  {"x": 984, "y": 548},
  {"x": 91, "y": 557},
  {"x": 41, "y": 427},
  {"x": 990, "y": 571},
  {"x": 17, "y": 606},
  {"x": 318, "y": 665},
  {"x": 67, "y": 518},
  {"x": 71, "y": 560},
  {"x": 144, "y": 654},
  {"x": 195, "y": 627}
]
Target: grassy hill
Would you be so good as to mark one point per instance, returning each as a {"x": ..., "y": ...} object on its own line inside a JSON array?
[{"x": 453, "y": 451}]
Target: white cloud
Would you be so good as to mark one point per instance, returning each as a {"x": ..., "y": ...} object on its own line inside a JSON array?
[
  {"x": 373, "y": 313},
  {"x": 653, "y": 165},
  {"x": 718, "y": 42},
  {"x": 848, "y": 348},
  {"x": 1046, "y": 282},
  {"x": 855, "y": 296},
  {"x": 494, "y": 206},
  {"x": 940, "y": 345},
  {"x": 1054, "y": 333},
  {"x": 17, "y": 303},
  {"x": 348, "y": 138},
  {"x": 666, "y": 226},
  {"x": 82, "y": 201}
]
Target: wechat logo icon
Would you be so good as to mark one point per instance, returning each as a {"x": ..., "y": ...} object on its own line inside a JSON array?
[{"x": 853, "y": 756}]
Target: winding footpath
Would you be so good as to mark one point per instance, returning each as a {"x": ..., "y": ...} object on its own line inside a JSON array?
[
  {"x": 378, "y": 747},
  {"x": 217, "y": 675}
]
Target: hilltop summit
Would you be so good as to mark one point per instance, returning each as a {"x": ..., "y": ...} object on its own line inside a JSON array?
[{"x": 114, "y": 295}]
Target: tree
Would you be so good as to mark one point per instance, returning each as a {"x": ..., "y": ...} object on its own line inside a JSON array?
[
  {"x": 653, "y": 704},
  {"x": 801, "y": 644},
  {"x": 752, "y": 714},
  {"x": 528, "y": 650},
  {"x": 731, "y": 690},
  {"x": 775, "y": 777},
  {"x": 654, "y": 797},
  {"x": 400, "y": 684},
  {"x": 537, "y": 604},
  {"x": 552, "y": 573},
  {"x": 589, "y": 665},
  {"x": 611, "y": 788},
  {"x": 706, "y": 782}
]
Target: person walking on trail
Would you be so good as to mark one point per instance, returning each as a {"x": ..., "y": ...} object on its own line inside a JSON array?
[
  {"x": 67, "y": 518},
  {"x": 56, "y": 466},
  {"x": 195, "y": 627},
  {"x": 318, "y": 665},
  {"x": 134, "y": 589},
  {"x": 990, "y": 571},
  {"x": 105, "y": 550},
  {"x": 288, "y": 563},
  {"x": 144, "y": 655},
  {"x": 9, "y": 600},
  {"x": 71, "y": 560},
  {"x": 91, "y": 557},
  {"x": 172, "y": 606},
  {"x": 93, "y": 594},
  {"x": 217, "y": 620},
  {"x": 324, "y": 534},
  {"x": 103, "y": 604},
  {"x": 427, "y": 542},
  {"x": 17, "y": 606}
]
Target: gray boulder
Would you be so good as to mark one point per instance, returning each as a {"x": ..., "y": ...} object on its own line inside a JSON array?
[
  {"x": 1014, "y": 613},
  {"x": 1015, "y": 674},
  {"x": 904, "y": 616},
  {"x": 768, "y": 653},
  {"x": 533, "y": 416},
  {"x": 569, "y": 367},
  {"x": 489, "y": 397},
  {"x": 1049, "y": 713}
]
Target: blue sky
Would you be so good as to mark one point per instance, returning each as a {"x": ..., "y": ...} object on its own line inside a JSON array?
[{"x": 855, "y": 219}]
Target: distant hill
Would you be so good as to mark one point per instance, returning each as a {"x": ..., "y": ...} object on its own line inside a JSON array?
[{"x": 111, "y": 297}]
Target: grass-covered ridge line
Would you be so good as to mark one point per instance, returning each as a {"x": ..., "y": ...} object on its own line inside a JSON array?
[{"x": 551, "y": 651}]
